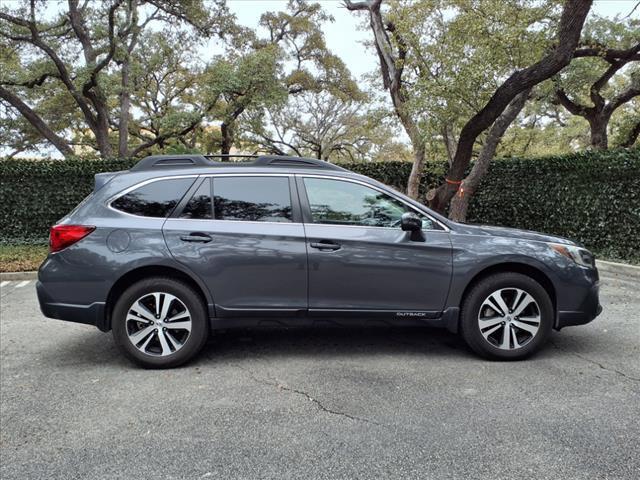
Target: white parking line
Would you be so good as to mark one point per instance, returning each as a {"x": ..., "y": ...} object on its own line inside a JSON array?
[
  {"x": 2, "y": 284},
  {"x": 23, "y": 283}
]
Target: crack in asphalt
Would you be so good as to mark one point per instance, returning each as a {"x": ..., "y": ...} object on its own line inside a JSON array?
[
  {"x": 315, "y": 401},
  {"x": 595, "y": 362}
]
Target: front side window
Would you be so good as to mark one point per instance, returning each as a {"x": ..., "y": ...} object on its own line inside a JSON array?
[
  {"x": 155, "y": 199},
  {"x": 346, "y": 203},
  {"x": 254, "y": 199}
]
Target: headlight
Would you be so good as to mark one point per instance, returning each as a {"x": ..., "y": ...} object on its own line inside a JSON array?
[{"x": 581, "y": 256}]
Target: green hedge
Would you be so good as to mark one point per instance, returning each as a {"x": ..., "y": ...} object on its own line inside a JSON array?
[{"x": 591, "y": 197}]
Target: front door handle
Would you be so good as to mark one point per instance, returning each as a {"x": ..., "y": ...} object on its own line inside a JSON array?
[
  {"x": 325, "y": 245},
  {"x": 196, "y": 237}
]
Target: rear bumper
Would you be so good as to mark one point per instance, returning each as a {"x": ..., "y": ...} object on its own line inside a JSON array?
[
  {"x": 92, "y": 314},
  {"x": 589, "y": 309}
]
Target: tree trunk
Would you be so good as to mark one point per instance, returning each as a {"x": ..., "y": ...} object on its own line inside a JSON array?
[
  {"x": 571, "y": 22},
  {"x": 460, "y": 202},
  {"x": 227, "y": 131},
  {"x": 125, "y": 105},
  {"x": 392, "y": 60},
  {"x": 36, "y": 121},
  {"x": 102, "y": 136},
  {"x": 413, "y": 184},
  {"x": 449, "y": 142},
  {"x": 598, "y": 126}
]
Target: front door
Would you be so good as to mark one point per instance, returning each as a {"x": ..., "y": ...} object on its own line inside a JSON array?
[
  {"x": 240, "y": 234},
  {"x": 360, "y": 259}
]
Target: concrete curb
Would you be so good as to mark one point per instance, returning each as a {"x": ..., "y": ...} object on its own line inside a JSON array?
[
  {"x": 614, "y": 268},
  {"x": 8, "y": 276}
]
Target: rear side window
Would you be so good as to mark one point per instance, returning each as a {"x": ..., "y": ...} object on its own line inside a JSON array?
[
  {"x": 155, "y": 199},
  {"x": 199, "y": 205},
  {"x": 254, "y": 199}
]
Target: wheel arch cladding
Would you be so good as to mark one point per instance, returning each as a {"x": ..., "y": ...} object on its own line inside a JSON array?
[
  {"x": 514, "y": 267},
  {"x": 147, "y": 271}
]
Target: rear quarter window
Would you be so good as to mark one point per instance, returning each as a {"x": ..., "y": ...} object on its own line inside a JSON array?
[{"x": 155, "y": 199}]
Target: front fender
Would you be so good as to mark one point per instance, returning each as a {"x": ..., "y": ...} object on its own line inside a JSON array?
[{"x": 475, "y": 254}]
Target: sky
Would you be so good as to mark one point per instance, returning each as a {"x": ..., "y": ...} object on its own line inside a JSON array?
[{"x": 344, "y": 36}]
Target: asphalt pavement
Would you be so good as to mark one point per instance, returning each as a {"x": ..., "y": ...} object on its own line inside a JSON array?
[{"x": 331, "y": 403}]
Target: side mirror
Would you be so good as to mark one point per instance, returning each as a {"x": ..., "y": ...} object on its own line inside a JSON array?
[{"x": 410, "y": 222}]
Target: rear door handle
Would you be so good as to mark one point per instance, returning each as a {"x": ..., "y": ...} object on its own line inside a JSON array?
[
  {"x": 196, "y": 237},
  {"x": 325, "y": 245}
]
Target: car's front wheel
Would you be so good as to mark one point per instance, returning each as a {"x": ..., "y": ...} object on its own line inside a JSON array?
[
  {"x": 160, "y": 322},
  {"x": 506, "y": 316}
]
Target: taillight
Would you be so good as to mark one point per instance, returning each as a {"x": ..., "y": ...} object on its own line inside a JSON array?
[{"x": 62, "y": 236}]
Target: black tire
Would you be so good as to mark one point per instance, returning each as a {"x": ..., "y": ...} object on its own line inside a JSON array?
[
  {"x": 196, "y": 339},
  {"x": 470, "y": 329}
]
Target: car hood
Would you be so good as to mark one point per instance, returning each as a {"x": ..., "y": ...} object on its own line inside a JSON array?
[{"x": 510, "y": 233}]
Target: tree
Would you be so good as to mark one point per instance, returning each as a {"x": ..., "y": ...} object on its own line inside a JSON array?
[
  {"x": 573, "y": 15},
  {"x": 325, "y": 127},
  {"x": 557, "y": 56},
  {"x": 291, "y": 59},
  {"x": 448, "y": 61},
  {"x": 595, "y": 87},
  {"x": 392, "y": 55},
  {"x": 246, "y": 83},
  {"x": 83, "y": 51}
]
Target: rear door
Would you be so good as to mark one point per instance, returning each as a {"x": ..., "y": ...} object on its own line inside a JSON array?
[
  {"x": 359, "y": 258},
  {"x": 242, "y": 234}
]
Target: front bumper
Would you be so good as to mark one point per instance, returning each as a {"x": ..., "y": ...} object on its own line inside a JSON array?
[
  {"x": 589, "y": 309},
  {"x": 92, "y": 314}
]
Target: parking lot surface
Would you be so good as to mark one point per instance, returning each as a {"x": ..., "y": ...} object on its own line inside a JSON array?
[{"x": 331, "y": 403}]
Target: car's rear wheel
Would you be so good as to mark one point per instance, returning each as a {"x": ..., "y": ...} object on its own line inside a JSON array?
[
  {"x": 506, "y": 316},
  {"x": 160, "y": 322}
]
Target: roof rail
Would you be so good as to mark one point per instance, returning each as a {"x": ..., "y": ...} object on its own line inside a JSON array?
[
  {"x": 170, "y": 161},
  {"x": 181, "y": 161},
  {"x": 288, "y": 161},
  {"x": 231, "y": 155}
]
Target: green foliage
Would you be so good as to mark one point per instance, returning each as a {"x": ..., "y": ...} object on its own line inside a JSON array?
[
  {"x": 35, "y": 194},
  {"x": 396, "y": 174},
  {"x": 591, "y": 197}
]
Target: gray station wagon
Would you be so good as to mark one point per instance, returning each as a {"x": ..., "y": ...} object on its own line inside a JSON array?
[{"x": 179, "y": 246}]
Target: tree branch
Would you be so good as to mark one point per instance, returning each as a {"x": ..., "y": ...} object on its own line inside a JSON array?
[
  {"x": 573, "y": 107},
  {"x": 608, "y": 54},
  {"x": 36, "y": 121}
]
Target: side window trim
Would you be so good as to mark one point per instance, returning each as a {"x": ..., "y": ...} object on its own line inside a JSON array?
[
  {"x": 306, "y": 206},
  {"x": 187, "y": 196},
  {"x": 130, "y": 189},
  {"x": 304, "y": 199}
]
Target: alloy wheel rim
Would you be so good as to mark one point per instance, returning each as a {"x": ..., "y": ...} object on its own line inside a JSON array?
[
  {"x": 509, "y": 318},
  {"x": 158, "y": 324}
]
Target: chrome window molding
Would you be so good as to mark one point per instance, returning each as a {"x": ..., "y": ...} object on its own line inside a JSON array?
[
  {"x": 213, "y": 220},
  {"x": 260, "y": 174},
  {"x": 113, "y": 198}
]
